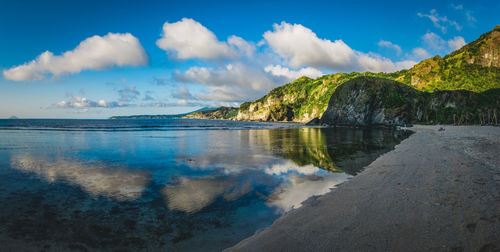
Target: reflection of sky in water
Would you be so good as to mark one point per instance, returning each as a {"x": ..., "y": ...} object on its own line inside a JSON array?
[
  {"x": 195, "y": 185},
  {"x": 117, "y": 184}
]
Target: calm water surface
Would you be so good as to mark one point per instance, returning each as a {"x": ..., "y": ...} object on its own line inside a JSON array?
[{"x": 196, "y": 185}]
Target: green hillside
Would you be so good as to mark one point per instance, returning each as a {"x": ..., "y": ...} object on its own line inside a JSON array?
[{"x": 474, "y": 67}]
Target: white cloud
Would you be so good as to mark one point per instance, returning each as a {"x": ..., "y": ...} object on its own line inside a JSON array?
[
  {"x": 289, "y": 166},
  {"x": 405, "y": 64},
  {"x": 440, "y": 22},
  {"x": 300, "y": 46},
  {"x": 236, "y": 74},
  {"x": 183, "y": 93},
  {"x": 82, "y": 102},
  {"x": 468, "y": 13},
  {"x": 470, "y": 17},
  {"x": 456, "y": 43},
  {"x": 128, "y": 94},
  {"x": 247, "y": 48},
  {"x": 434, "y": 41},
  {"x": 291, "y": 194},
  {"x": 389, "y": 44},
  {"x": 178, "y": 103},
  {"x": 148, "y": 97},
  {"x": 438, "y": 44},
  {"x": 94, "y": 53},
  {"x": 193, "y": 194},
  {"x": 420, "y": 53},
  {"x": 190, "y": 39},
  {"x": 278, "y": 70},
  {"x": 234, "y": 82},
  {"x": 230, "y": 94},
  {"x": 182, "y": 102}
]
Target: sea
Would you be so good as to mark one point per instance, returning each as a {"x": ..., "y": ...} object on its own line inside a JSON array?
[{"x": 166, "y": 184}]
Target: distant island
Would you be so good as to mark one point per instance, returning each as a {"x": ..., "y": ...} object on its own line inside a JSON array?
[
  {"x": 162, "y": 116},
  {"x": 13, "y": 117}
]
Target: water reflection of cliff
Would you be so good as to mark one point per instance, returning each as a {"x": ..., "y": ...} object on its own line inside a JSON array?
[{"x": 332, "y": 149}]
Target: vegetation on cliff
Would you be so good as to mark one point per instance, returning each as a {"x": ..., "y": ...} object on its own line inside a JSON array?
[
  {"x": 301, "y": 100},
  {"x": 218, "y": 113}
]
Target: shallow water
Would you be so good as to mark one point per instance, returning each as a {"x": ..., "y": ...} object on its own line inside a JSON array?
[{"x": 166, "y": 184}]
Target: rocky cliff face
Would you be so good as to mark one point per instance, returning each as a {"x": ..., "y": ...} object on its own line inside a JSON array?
[
  {"x": 368, "y": 101},
  {"x": 485, "y": 51}
]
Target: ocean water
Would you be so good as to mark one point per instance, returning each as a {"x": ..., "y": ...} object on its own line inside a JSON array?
[{"x": 174, "y": 184}]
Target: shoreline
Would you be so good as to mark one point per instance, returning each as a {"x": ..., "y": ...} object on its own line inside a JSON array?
[{"x": 436, "y": 191}]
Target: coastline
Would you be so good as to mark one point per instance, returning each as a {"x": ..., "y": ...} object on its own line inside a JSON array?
[{"x": 436, "y": 191}]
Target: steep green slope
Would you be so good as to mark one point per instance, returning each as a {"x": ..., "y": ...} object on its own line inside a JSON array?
[
  {"x": 301, "y": 100},
  {"x": 218, "y": 113},
  {"x": 474, "y": 67}
]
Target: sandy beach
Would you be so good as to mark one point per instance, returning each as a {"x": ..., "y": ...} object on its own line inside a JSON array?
[{"x": 437, "y": 191}]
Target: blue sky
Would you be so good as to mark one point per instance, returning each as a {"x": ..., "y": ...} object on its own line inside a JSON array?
[{"x": 94, "y": 59}]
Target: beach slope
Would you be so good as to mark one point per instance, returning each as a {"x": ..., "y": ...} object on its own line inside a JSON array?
[{"x": 437, "y": 191}]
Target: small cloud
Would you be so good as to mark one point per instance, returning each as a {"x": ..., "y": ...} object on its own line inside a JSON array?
[
  {"x": 162, "y": 81},
  {"x": 280, "y": 71},
  {"x": 434, "y": 41},
  {"x": 288, "y": 166},
  {"x": 183, "y": 93},
  {"x": 247, "y": 48},
  {"x": 179, "y": 103},
  {"x": 470, "y": 17},
  {"x": 440, "y": 22},
  {"x": 182, "y": 102},
  {"x": 438, "y": 44},
  {"x": 236, "y": 74},
  {"x": 128, "y": 94},
  {"x": 389, "y": 44},
  {"x": 456, "y": 43},
  {"x": 82, "y": 103},
  {"x": 148, "y": 97},
  {"x": 405, "y": 64},
  {"x": 420, "y": 53},
  {"x": 457, "y": 7}
]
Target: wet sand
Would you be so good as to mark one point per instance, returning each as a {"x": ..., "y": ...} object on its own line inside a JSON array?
[{"x": 437, "y": 191}]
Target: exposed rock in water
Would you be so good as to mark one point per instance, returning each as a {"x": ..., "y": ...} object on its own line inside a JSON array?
[
  {"x": 369, "y": 101},
  {"x": 314, "y": 121}
]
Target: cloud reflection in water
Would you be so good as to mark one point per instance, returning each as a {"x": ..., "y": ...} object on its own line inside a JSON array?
[
  {"x": 192, "y": 194},
  {"x": 288, "y": 166},
  {"x": 297, "y": 189},
  {"x": 95, "y": 179}
]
